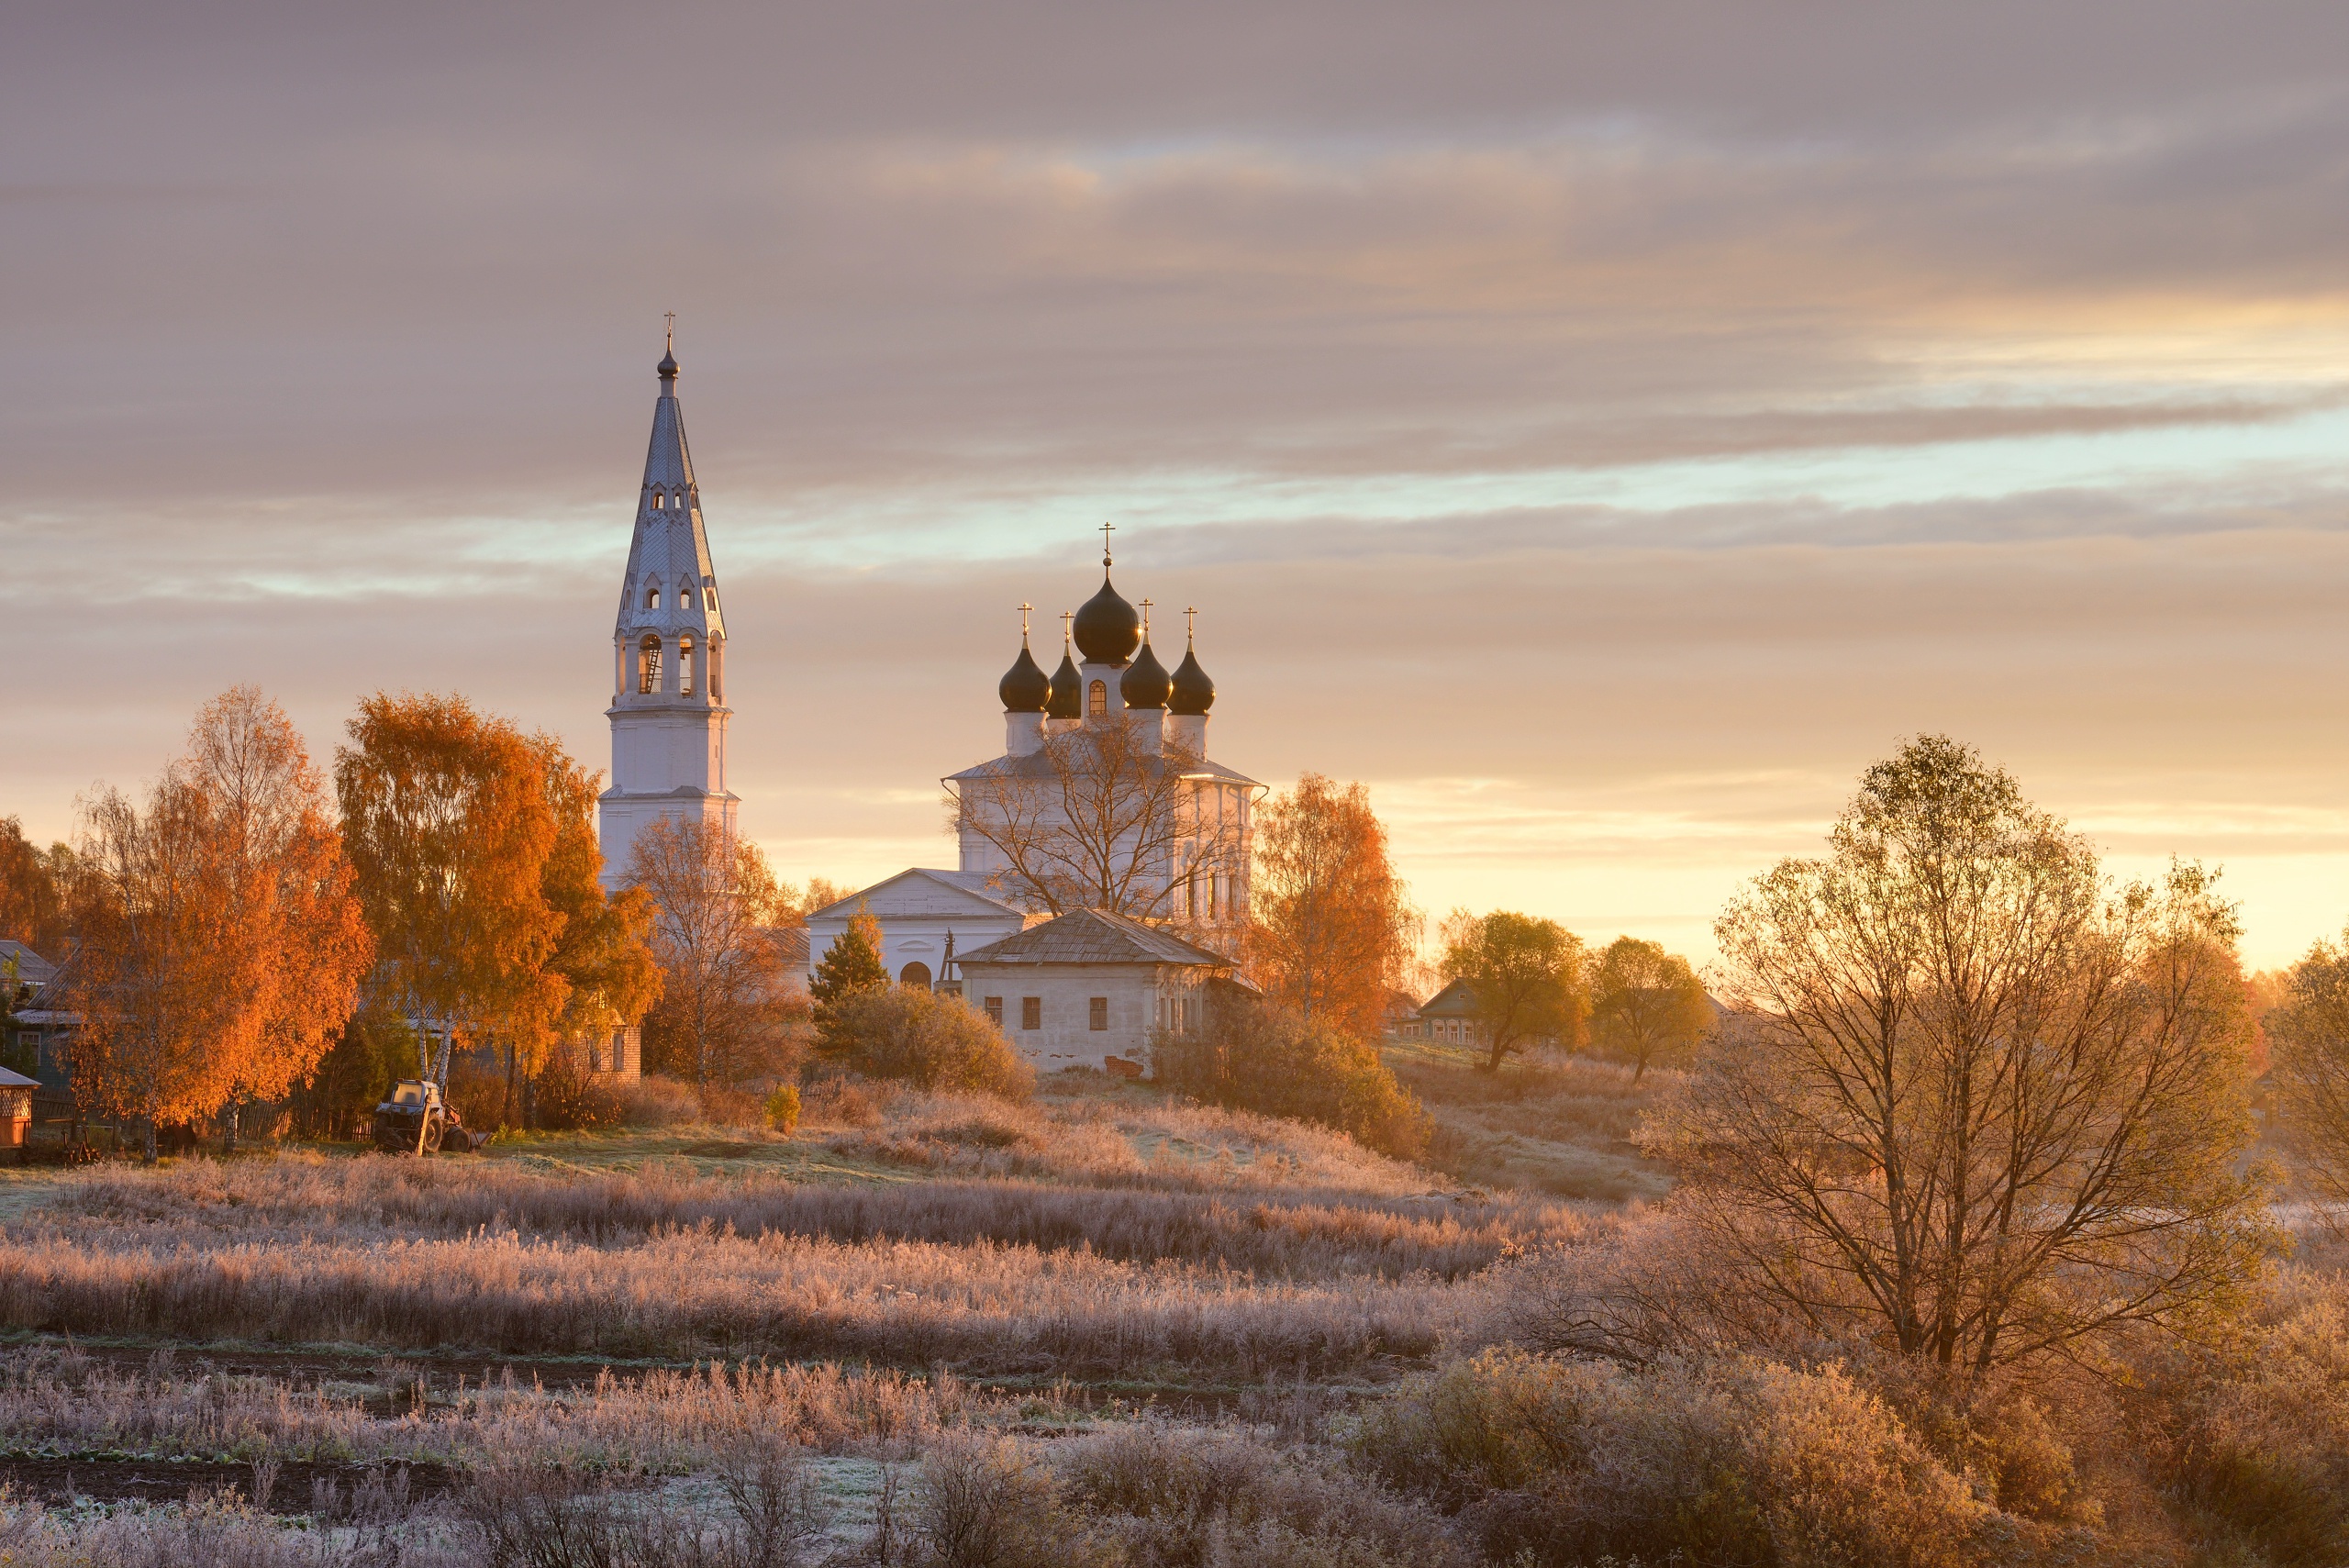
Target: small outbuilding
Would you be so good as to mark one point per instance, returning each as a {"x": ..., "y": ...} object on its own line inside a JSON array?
[{"x": 1088, "y": 987}]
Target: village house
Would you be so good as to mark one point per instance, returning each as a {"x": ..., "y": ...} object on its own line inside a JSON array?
[{"x": 1089, "y": 988}]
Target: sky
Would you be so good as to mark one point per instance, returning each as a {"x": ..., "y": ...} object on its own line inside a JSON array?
[{"x": 1600, "y": 430}]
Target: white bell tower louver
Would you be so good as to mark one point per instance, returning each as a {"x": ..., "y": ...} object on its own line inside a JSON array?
[{"x": 668, "y": 709}]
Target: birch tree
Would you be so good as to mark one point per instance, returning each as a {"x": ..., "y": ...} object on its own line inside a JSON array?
[
  {"x": 1974, "y": 1102},
  {"x": 711, "y": 895},
  {"x": 1329, "y": 929}
]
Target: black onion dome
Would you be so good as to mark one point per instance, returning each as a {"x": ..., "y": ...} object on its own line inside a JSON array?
[
  {"x": 1068, "y": 691},
  {"x": 1146, "y": 684},
  {"x": 1109, "y": 629},
  {"x": 1024, "y": 687},
  {"x": 667, "y": 367},
  {"x": 1194, "y": 693}
]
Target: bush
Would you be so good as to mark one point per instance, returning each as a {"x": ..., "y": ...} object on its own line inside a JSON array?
[
  {"x": 1731, "y": 1459},
  {"x": 655, "y": 1101},
  {"x": 565, "y": 1097},
  {"x": 1170, "y": 1494},
  {"x": 783, "y": 1109},
  {"x": 934, "y": 1041},
  {"x": 1256, "y": 1057}
]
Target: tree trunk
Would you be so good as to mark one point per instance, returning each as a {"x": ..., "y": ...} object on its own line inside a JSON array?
[
  {"x": 147, "y": 1141},
  {"x": 229, "y": 1130}
]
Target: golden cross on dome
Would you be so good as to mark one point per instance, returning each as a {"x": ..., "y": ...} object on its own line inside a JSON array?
[
  {"x": 672, "y": 341},
  {"x": 1066, "y": 616},
  {"x": 1024, "y": 609},
  {"x": 1190, "y": 623},
  {"x": 1145, "y": 620},
  {"x": 1105, "y": 543}
]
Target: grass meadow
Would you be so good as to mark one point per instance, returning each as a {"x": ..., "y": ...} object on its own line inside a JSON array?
[{"x": 1097, "y": 1328}]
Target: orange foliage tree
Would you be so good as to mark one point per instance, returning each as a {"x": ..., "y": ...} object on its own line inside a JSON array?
[
  {"x": 1330, "y": 930},
  {"x": 220, "y": 947},
  {"x": 445, "y": 814},
  {"x": 31, "y": 910},
  {"x": 478, "y": 870}
]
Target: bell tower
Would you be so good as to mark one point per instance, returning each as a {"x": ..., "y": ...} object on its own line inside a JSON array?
[{"x": 668, "y": 709}]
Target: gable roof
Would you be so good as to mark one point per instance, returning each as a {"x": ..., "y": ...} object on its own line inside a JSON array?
[
  {"x": 1091, "y": 936},
  {"x": 1454, "y": 1000},
  {"x": 31, "y": 968},
  {"x": 947, "y": 892}
]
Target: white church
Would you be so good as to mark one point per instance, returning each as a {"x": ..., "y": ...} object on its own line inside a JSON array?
[{"x": 1050, "y": 835}]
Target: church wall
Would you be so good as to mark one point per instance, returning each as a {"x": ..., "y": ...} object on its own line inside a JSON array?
[{"x": 1066, "y": 1037}]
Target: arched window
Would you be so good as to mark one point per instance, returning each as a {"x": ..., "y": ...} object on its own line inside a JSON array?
[
  {"x": 708, "y": 598},
  {"x": 648, "y": 666},
  {"x": 685, "y": 666},
  {"x": 915, "y": 973},
  {"x": 653, "y": 596},
  {"x": 656, "y": 500},
  {"x": 1097, "y": 700},
  {"x": 684, "y": 598}
]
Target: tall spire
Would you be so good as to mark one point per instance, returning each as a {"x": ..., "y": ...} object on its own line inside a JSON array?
[{"x": 671, "y": 585}]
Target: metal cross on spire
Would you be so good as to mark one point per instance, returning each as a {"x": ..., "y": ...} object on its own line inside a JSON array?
[
  {"x": 1024, "y": 609},
  {"x": 1145, "y": 620},
  {"x": 1066, "y": 616},
  {"x": 1105, "y": 543},
  {"x": 670, "y": 342},
  {"x": 1190, "y": 623}
]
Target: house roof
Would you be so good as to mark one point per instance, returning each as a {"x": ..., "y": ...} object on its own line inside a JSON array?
[
  {"x": 790, "y": 943},
  {"x": 31, "y": 968},
  {"x": 9, "y": 1080},
  {"x": 1091, "y": 936},
  {"x": 1038, "y": 765},
  {"x": 962, "y": 890},
  {"x": 1454, "y": 1000}
]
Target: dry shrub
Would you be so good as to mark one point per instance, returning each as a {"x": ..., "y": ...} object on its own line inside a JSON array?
[
  {"x": 559, "y": 1516},
  {"x": 565, "y": 1097},
  {"x": 835, "y": 1101},
  {"x": 656, "y": 1101},
  {"x": 1555, "y": 1462},
  {"x": 926, "y": 1039},
  {"x": 725, "y": 1105},
  {"x": 987, "y": 1502},
  {"x": 2253, "y": 1430},
  {"x": 1262, "y": 1058},
  {"x": 1176, "y": 1497},
  {"x": 219, "y": 1530},
  {"x": 478, "y": 1091}
]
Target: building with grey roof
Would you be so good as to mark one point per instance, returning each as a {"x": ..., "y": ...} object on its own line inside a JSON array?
[{"x": 1072, "y": 991}]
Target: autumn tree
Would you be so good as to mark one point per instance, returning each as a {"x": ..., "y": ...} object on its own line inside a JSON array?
[
  {"x": 1526, "y": 976},
  {"x": 850, "y": 965},
  {"x": 604, "y": 951},
  {"x": 712, "y": 895},
  {"x": 301, "y": 939},
  {"x": 1330, "y": 930},
  {"x": 2308, "y": 1034},
  {"x": 1100, "y": 818},
  {"x": 32, "y": 910},
  {"x": 1645, "y": 1003},
  {"x": 448, "y": 825},
  {"x": 1973, "y": 1102},
  {"x": 219, "y": 945}
]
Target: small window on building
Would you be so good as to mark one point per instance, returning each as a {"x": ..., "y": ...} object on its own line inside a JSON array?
[
  {"x": 915, "y": 973},
  {"x": 995, "y": 1011},
  {"x": 686, "y": 666},
  {"x": 709, "y": 598},
  {"x": 1099, "y": 1014},
  {"x": 656, "y": 500},
  {"x": 1031, "y": 1012},
  {"x": 1097, "y": 700},
  {"x": 653, "y": 596},
  {"x": 648, "y": 666}
]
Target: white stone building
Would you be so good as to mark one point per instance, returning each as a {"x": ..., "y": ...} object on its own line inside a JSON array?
[
  {"x": 1072, "y": 991},
  {"x": 925, "y": 918},
  {"x": 668, "y": 709}
]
